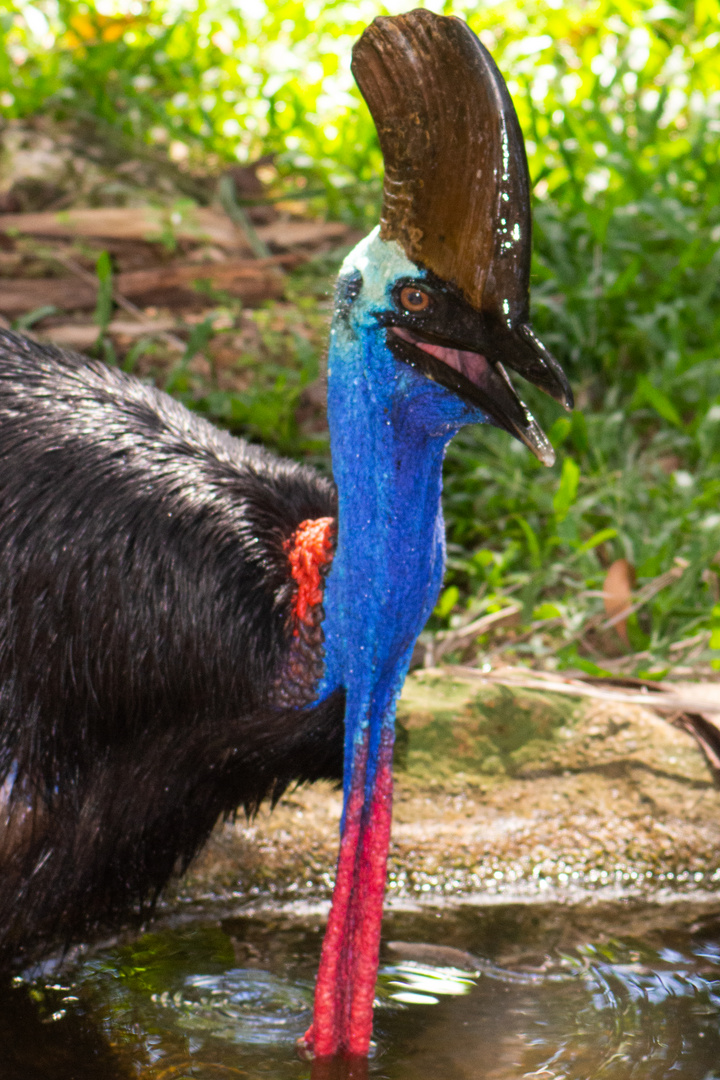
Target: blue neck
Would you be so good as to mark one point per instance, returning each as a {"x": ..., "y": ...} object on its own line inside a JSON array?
[
  {"x": 389, "y": 429},
  {"x": 389, "y": 426}
]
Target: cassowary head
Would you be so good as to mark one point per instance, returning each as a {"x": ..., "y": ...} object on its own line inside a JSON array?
[{"x": 446, "y": 274}]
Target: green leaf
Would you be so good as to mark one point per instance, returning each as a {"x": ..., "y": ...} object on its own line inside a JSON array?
[
  {"x": 142, "y": 345},
  {"x": 598, "y": 538},
  {"x": 639, "y": 640},
  {"x": 567, "y": 492},
  {"x": 199, "y": 337},
  {"x": 25, "y": 322},
  {"x": 547, "y": 611},
  {"x": 448, "y": 599},
  {"x": 104, "y": 306},
  {"x": 659, "y": 401},
  {"x": 570, "y": 657},
  {"x": 580, "y": 432},
  {"x": 560, "y": 430},
  {"x": 483, "y": 558},
  {"x": 531, "y": 540},
  {"x": 652, "y": 676}
]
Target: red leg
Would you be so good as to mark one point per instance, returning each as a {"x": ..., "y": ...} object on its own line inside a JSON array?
[{"x": 345, "y": 988}]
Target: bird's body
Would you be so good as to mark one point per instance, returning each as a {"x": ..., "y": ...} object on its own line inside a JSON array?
[
  {"x": 146, "y": 641},
  {"x": 186, "y": 624}
]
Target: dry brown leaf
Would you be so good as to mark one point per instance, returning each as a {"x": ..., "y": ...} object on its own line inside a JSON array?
[
  {"x": 447, "y": 640},
  {"x": 617, "y": 593}
]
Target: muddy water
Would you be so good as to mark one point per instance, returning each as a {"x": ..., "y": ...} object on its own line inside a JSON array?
[{"x": 609, "y": 991}]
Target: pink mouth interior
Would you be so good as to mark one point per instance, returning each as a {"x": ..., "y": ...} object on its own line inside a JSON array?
[{"x": 472, "y": 365}]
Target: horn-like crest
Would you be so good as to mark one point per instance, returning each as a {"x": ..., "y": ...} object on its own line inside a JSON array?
[{"x": 456, "y": 194}]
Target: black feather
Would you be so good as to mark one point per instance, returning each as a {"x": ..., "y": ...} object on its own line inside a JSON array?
[{"x": 145, "y": 620}]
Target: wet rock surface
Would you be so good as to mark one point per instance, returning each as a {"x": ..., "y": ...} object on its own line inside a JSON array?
[{"x": 501, "y": 793}]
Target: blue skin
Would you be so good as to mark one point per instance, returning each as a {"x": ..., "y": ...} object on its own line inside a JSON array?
[{"x": 389, "y": 427}]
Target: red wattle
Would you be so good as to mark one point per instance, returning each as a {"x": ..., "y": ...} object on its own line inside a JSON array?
[
  {"x": 345, "y": 987},
  {"x": 309, "y": 549}
]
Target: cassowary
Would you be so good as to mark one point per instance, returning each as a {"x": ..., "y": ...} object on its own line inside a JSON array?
[{"x": 185, "y": 620}]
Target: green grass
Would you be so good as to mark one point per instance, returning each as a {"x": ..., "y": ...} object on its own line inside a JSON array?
[{"x": 620, "y": 104}]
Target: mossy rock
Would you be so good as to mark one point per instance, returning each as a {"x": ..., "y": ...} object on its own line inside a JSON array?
[
  {"x": 453, "y": 725},
  {"x": 493, "y": 730}
]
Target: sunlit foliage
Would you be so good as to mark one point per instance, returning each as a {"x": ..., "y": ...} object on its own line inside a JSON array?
[{"x": 620, "y": 105}]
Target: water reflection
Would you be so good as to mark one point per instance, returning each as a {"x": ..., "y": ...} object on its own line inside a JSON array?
[
  {"x": 485, "y": 994},
  {"x": 616, "y": 1012},
  {"x": 247, "y": 1007}
]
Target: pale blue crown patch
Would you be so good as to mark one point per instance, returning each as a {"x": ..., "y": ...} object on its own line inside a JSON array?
[{"x": 380, "y": 263}]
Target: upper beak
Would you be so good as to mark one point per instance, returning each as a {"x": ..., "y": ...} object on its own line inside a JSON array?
[
  {"x": 527, "y": 355},
  {"x": 486, "y": 384}
]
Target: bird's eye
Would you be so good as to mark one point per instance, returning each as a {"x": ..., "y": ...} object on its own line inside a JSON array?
[{"x": 414, "y": 299}]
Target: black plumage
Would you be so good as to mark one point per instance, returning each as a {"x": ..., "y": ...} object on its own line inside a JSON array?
[{"x": 145, "y": 638}]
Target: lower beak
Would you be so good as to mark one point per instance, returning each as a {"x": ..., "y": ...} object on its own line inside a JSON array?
[{"x": 481, "y": 383}]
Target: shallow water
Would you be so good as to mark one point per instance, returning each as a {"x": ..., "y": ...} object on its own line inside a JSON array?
[{"x": 613, "y": 992}]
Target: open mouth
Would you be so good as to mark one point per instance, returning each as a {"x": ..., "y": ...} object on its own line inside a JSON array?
[{"x": 476, "y": 380}]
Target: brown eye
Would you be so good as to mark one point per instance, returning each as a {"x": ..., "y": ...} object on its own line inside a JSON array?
[{"x": 414, "y": 300}]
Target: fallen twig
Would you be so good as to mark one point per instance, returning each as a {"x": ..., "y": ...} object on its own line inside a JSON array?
[
  {"x": 83, "y": 335},
  {"x": 447, "y": 640},
  {"x": 659, "y": 696},
  {"x": 198, "y": 224},
  {"x": 194, "y": 223},
  {"x": 251, "y": 280},
  {"x": 231, "y": 206}
]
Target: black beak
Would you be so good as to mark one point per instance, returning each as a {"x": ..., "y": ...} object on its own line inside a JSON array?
[{"x": 527, "y": 355}]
